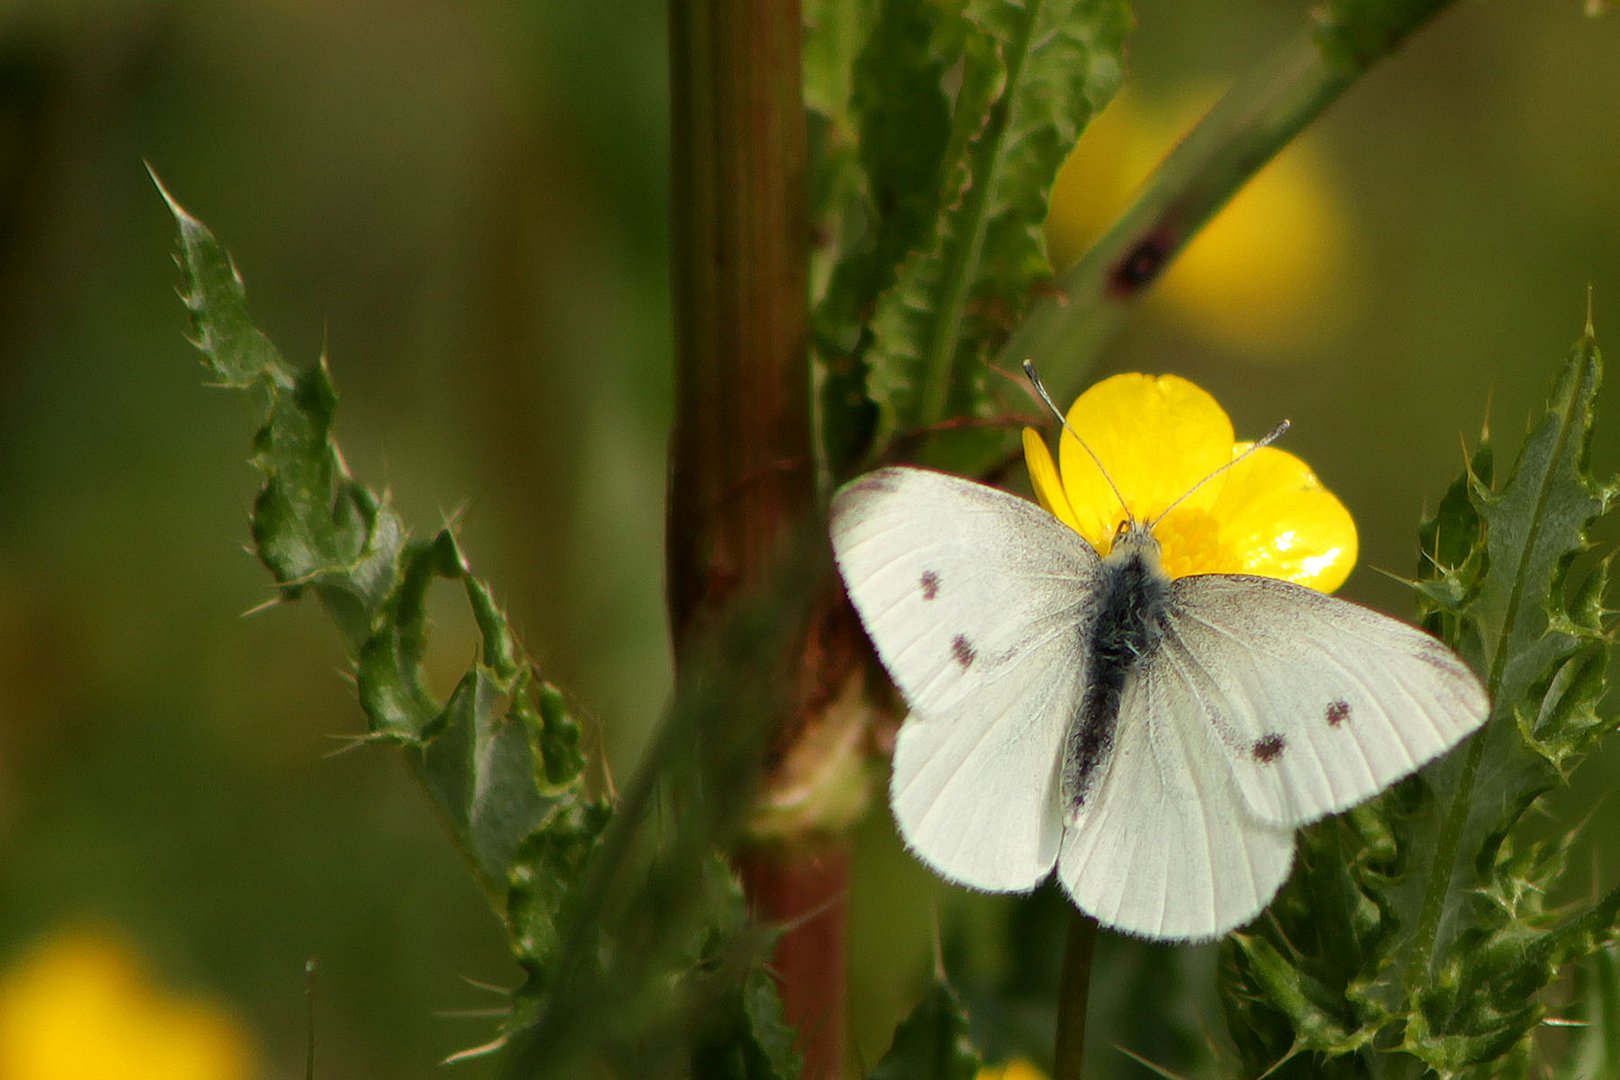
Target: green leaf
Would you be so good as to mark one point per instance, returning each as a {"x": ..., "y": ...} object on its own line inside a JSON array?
[
  {"x": 543, "y": 875},
  {"x": 963, "y": 116},
  {"x": 932, "y": 1043},
  {"x": 900, "y": 124},
  {"x": 500, "y": 759},
  {"x": 312, "y": 526},
  {"x": 1033, "y": 75},
  {"x": 834, "y": 33},
  {"x": 768, "y": 1030},
  {"x": 1418, "y": 925},
  {"x": 748, "y": 1037}
]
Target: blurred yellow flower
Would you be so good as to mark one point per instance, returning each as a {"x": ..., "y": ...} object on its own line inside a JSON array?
[
  {"x": 1158, "y": 436},
  {"x": 1265, "y": 272},
  {"x": 80, "y": 1006},
  {"x": 1017, "y": 1069}
]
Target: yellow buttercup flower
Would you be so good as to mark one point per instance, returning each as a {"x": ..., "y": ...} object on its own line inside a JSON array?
[
  {"x": 1158, "y": 436},
  {"x": 80, "y": 1006}
]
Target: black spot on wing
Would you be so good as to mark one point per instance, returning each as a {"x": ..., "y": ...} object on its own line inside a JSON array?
[
  {"x": 1268, "y": 748},
  {"x": 962, "y": 650},
  {"x": 1337, "y": 713},
  {"x": 929, "y": 584}
]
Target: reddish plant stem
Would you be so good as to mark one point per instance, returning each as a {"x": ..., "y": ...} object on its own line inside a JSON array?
[
  {"x": 738, "y": 275},
  {"x": 803, "y": 890},
  {"x": 741, "y": 481}
]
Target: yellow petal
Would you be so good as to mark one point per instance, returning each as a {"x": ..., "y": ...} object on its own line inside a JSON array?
[
  {"x": 1043, "y": 475},
  {"x": 1158, "y": 436},
  {"x": 1276, "y": 519}
]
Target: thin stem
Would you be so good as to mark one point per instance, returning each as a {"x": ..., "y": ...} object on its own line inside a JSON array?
[
  {"x": 1074, "y": 990},
  {"x": 309, "y": 1001},
  {"x": 1069, "y": 327}
]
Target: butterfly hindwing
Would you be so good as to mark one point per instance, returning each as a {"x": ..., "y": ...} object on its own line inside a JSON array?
[
  {"x": 977, "y": 602},
  {"x": 1263, "y": 705},
  {"x": 1164, "y": 846},
  {"x": 1317, "y": 703}
]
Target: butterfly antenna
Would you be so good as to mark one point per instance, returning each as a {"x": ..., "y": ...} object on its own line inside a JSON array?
[
  {"x": 1035, "y": 381},
  {"x": 1271, "y": 436}
]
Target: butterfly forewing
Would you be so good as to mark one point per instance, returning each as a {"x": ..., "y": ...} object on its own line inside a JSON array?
[
  {"x": 977, "y": 602},
  {"x": 1317, "y": 703}
]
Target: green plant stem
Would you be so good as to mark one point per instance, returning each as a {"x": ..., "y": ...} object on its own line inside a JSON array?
[
  {"x": 1068, "y": 328},
  {"x": 1074, "y": 991}
]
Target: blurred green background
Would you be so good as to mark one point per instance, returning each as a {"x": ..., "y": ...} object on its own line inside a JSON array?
[{"x": 464, "y": 204}]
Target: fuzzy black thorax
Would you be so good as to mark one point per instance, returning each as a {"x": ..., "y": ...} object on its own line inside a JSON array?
[{"x": 1132, "y": 597}]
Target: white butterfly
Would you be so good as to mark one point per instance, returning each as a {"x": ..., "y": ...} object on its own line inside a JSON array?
[{"x": 1156, "y": 741}]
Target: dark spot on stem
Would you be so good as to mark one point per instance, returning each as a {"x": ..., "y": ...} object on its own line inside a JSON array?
[{"x": 1141, "y": 265}]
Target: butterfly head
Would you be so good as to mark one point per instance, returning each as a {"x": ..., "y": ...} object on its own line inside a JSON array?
[{"x": 1134, "y": 540}]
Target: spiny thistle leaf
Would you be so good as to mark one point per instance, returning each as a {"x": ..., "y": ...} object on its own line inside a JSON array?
[
  {"x": 745, "y": 1036},
  {"x": 932, "y": 1043},
  {"x": 656, "y": 938},
  {"x": 955, "y": 183},
  {"x": 1417, "y": 925},
  {"x": 754, "y": 1043},
  {"x": 234, "y": 350},
  {"x": 767, "y": 1030},
  {"x": 500, "y": 758}
]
